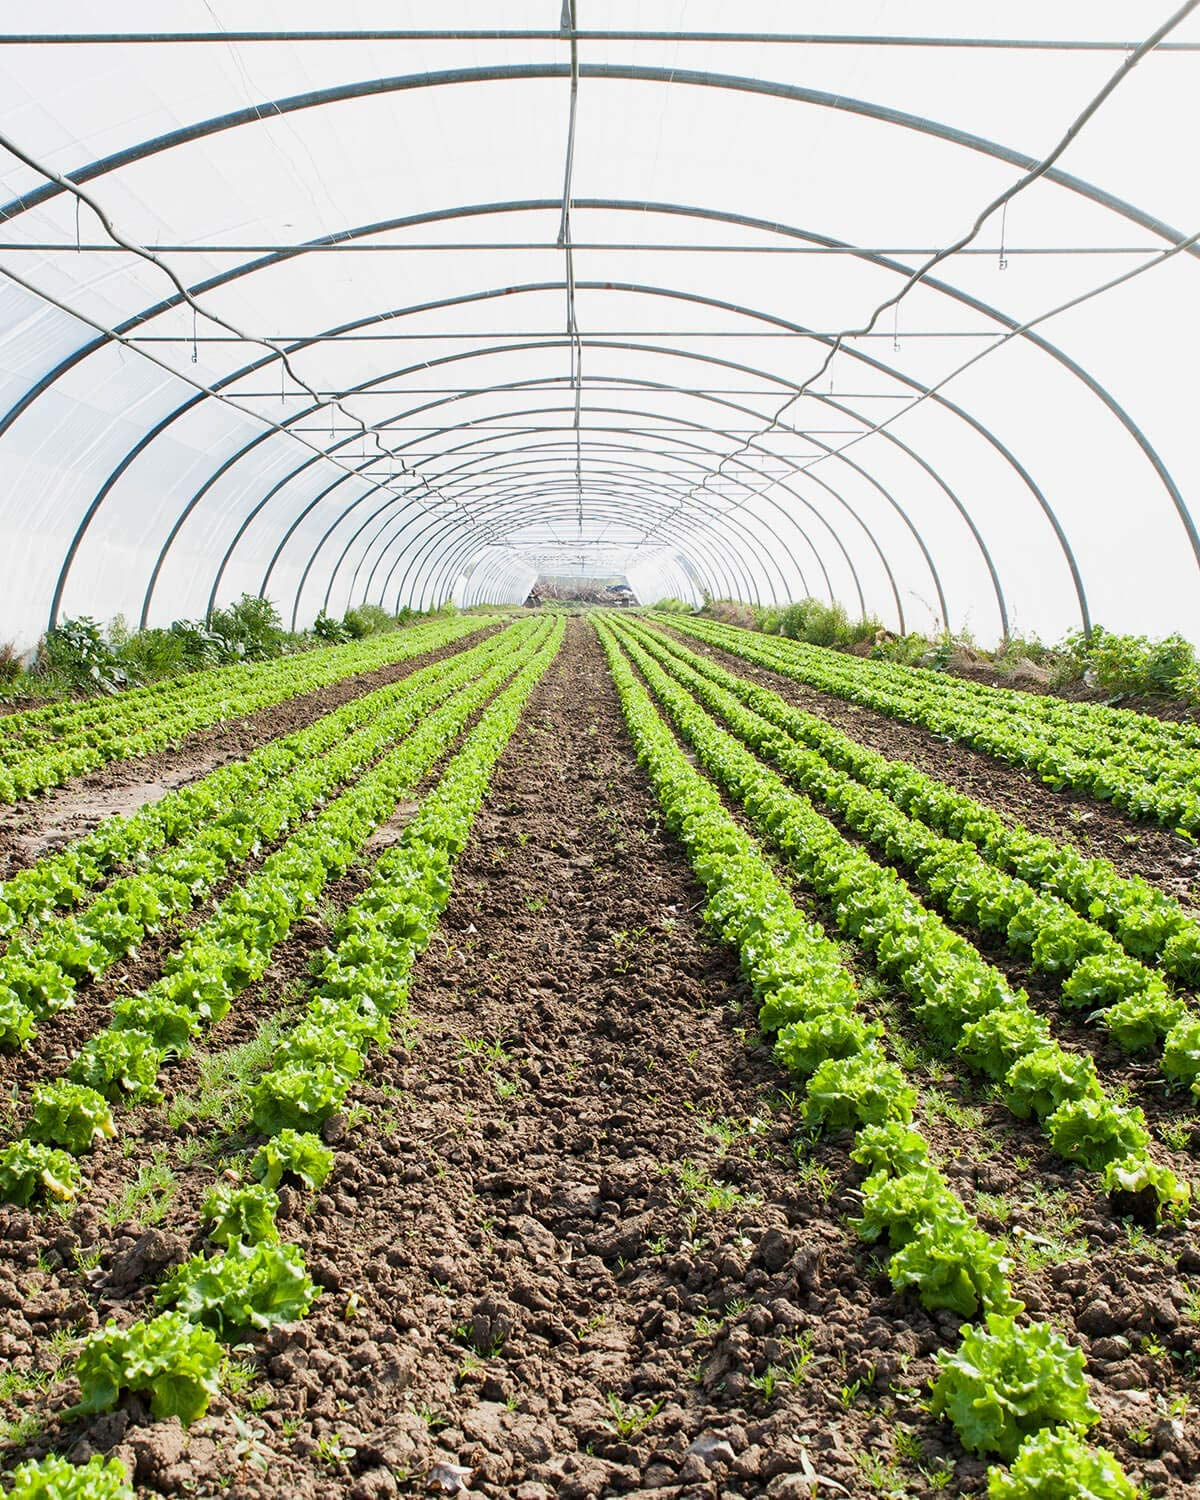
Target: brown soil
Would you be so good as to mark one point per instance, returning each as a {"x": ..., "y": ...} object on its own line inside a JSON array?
[
  {"x": 36, "y": 827},
  {"x": 1091, "y": 825},
  {"x": 574, "y": 1244}
]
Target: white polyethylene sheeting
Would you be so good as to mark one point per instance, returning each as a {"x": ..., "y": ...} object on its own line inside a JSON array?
[{"x": 388, "y": 211}]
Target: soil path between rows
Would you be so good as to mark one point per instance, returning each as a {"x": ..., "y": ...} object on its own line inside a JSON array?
[
  {"x": 38, "y": 826},
  {"x": 1095, "y": 827}
]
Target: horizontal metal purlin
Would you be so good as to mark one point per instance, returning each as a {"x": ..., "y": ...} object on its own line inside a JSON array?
[
  {"x": 381, "y": 468},
  {"x": 566, "y": 428},
  {"x": 556, "y": 383},
  {"x": 354, "y": 247},
  {"x": 553, "y": 333},
  {"x": 665, "y": 425},
  {"x": 495, "y": 34}
]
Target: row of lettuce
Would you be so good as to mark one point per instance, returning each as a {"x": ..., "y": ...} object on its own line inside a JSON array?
[
  {"x": 1014, "y": 1389},
  {"x": 250, "y": 1279},
  {"x": 46, "y": 747},
  {"x": 1146, "y": 766},
  {"x": 185, "y": 845},
  {"x": 1103, "y": 938}
]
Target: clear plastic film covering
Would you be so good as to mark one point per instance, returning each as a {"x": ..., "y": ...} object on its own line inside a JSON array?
[{"x": 457, "y": 294}]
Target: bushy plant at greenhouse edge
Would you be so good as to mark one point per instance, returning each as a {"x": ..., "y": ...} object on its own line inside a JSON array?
[{"x": 80, "y": 657}]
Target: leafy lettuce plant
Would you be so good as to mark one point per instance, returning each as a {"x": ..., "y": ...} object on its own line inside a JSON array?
[
  {"x": 1004, "y": 1383},
  {"x": 1039, "y": 1081},
  {"x": 952, "y": 1263},
  {"x": 1095, "y": 1132},
  {"x": 239, "y": 1294},
  {"x": 54, "y": 1478},
  {"x": 890, "y": 1147},
  {"x": 16, "y": 1021},
  {"x": 176, "y": 1363},
  {"x": 1182, "y": 955},
  {"x": 121, "y": 1065},
  {"x": 296, "y": 1095},
  {"x": 312, "y": 1042},
  {"x": 292, "y": 1154},
  {"x": 995, "y": 1042},
  {"x": 802, "y": 1046},
  {"x": 861, "y": 1090},
  {"x": 1104, "y": 978},
  {"x": 1146, "y": 1190},
  {"x": 241, "y": 1217},
  {"x": 70, "y": 1115},
  {"x": 898, "y": 1206},
  {"x": 1181, "y": 1051},
  {"x": 1140, "y": 1022},
  {"x": 29, "y": 1170},
  {"x": 38, "y": 983},
  {"x": 170, "y": 1026},
  {"x": 1055, "y": 1465}
]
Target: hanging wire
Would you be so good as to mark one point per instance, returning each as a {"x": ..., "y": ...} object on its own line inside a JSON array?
[{"x": 1178, "y": 248}]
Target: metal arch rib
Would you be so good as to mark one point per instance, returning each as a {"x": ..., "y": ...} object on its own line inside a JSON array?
[
  {"x": 442, "y": 571},
  {"x": 614, "y": 484},
  {"x": 223, "y": 468},
  {"x": 628, "y": 287},
  {"x": 717, "y": 515},
  {"x": 460, "y": 545},
  {"x": 769, "y": 375},
  {"x": 664, "y": 351},
  {"x": 534, "y": 411},
  {"x": 477, "y": 296},
  {"x": 192, "y": 402},
  {"x": 677, "y": 566},
  {"x": 608, "y": 479},
  {"x": 794, "y": 93},
  {"x": 403, "y": 509},
  {"x": 982, "y": 430},
  {"x": 636, "y": 73},
  {"x": 516, "y": 385}
]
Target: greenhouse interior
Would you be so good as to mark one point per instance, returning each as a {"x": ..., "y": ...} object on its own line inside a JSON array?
[{"x": 599, "y": 750}]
